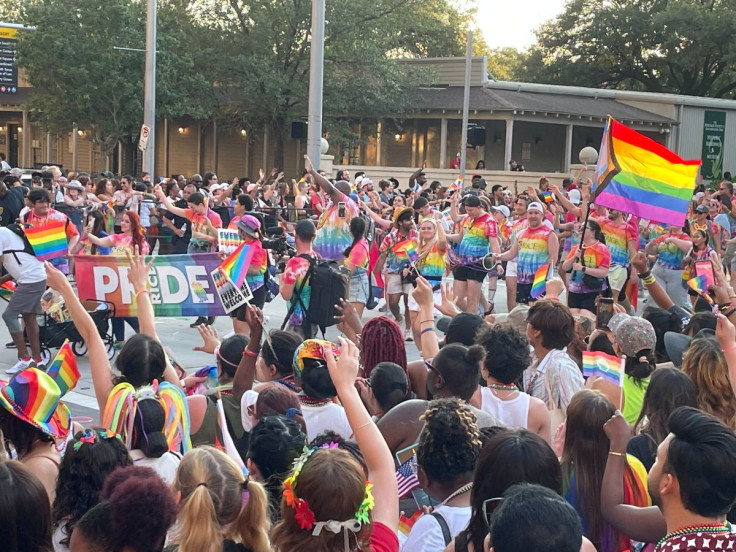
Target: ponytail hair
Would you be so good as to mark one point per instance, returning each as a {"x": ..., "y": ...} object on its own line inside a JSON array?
[
  {"x": 148, "y": 429},
  {"x": 640, "y": 366},
  {"x": 357, "y": 230},
  {"x": 253, "y": 523}
]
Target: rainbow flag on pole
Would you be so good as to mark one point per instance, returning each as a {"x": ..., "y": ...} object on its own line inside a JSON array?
[
  {"x": 48, "y": 241},
  {"x": 637, "y": 175},
  {"x": 64, "y": 369},
  {"x": 539, "y": 285},
  {"x": 236, "y": 265},
  {"x": 407, "y": 251},
  {"x": 608, "y": 367},
  {"x": 700, "y": 284}
]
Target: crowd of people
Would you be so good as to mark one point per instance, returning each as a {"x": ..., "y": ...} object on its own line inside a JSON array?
[{"x": 492, "y": 439}]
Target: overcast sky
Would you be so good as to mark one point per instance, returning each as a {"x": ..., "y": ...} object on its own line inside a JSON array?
[{"x": 512, "y": 22}]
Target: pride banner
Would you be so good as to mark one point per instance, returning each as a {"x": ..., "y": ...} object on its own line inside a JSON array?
[{"x": 181, "y": 285}]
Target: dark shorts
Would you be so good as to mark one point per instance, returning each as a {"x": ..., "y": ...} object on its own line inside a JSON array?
[
  {"x": 465, "y": 273},
  {"x": 523, "y": 294},
  {"x": 258, "y": 300},
  {"x": 622, "y": 293},
  {"x": 582, "y": 300}
]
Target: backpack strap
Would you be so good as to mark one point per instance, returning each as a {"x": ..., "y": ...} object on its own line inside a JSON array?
[
  {"x": 299, "y": 301},
  {"x": 443, "y": 525}
]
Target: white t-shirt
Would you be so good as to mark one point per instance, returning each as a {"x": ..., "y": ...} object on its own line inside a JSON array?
[
  {"x": 26, "y": 269},
  {"x": 330, "y": 417},
  {"x": 426, "y": 534},
  {"x": 165, "y": 466}
]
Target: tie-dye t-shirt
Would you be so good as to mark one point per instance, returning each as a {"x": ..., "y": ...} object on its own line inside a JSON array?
[
  {"x": 476, "y": 234},
  {"x": 596, "y": 256},
  {"x": 432, "y": 265},
  {"x": 359, "y": 256},
  {"x": 394, "y": 265},
  {"x": 533, "y": 252},
  {"x": 670, "y": 256},
  {"x": 333, "y": 232},
  {"x": 294, "y": 273},
  {"x": 124, "y": 242},
  {"x": 259, "y": 259},
  {"x": 199, "y": 225},
  {"x": 618, "y": 236}
]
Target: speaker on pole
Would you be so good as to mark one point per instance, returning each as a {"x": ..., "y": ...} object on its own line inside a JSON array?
[
  {"x": 477, "y": 136},
  {"x": 298, "y": 130}
]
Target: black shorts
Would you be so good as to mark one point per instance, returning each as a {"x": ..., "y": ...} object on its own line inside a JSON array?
[
  {"x": 465, "y": 273},
  {"x": 524, "y": 294},
  {"x": 622, "y": 293},
  {"x": 258, "y": 300},
  {"x": 582, "y": 300}
]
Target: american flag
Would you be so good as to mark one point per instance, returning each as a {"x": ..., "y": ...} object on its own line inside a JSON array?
[{"x": 406, "y": 477}]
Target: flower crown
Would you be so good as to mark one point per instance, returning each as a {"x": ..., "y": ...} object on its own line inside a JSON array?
[{"x": 304, "y": 515}]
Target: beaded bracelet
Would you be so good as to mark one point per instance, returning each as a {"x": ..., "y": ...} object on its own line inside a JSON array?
[
  {"x": 425, "y": 330},
  {"x": 725, "y": 306},
  {"x": 248, "y": 352}
]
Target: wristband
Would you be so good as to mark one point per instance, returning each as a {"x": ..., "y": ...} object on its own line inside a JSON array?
[
  {"x": 552, "y": 297},
  {"x": 649, "y": 280},
  {"x": 425, "y": 330},
  {"x": 644, "y": 275},
  {"x": 137, "y": 293},
  {"x": 730, "y": 348},
  {"x": 248, "y": 352},
  {"x": 613, "y": 453},
  {"x": 725, "y": 306}
]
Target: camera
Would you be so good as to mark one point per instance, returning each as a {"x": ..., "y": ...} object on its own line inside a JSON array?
[{"x": 278, "y": 243}]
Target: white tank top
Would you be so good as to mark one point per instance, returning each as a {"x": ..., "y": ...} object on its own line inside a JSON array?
[{"x": 512, "y": 413}]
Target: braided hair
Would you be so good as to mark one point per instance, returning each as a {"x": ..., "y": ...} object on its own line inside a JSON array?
[
  {"x": 382, "y": 341},
  {"x": 450, "y": 441}
]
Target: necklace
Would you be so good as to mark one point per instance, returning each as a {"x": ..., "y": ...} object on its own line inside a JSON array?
[
  {"x": 709, "y": 529},
  {"x": 462, "y": 490},
  {"x": 503, "y": 386},
  {"x": 309, "y": 401}
]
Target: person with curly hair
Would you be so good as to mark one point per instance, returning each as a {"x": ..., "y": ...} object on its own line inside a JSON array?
[
  {"x": 507, "y": 356},
  {"x": 706, "y": 365},
  {"x": 136, "y": 510},
  {"x": 90, "y": 458},
  {"x": 448, "y": 449}
]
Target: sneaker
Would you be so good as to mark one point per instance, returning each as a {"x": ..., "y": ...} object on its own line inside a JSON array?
[
  {"x": 118, "y": 345},
  {"x": 198, "y": 321},
  {"x": 20, "y": 366},
  {"x": 408, "y": 336}
]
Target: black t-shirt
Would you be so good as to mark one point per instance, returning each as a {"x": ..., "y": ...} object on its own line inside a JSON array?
[
  {"x": 11, "y": 206},
  {"x": 643, "y": 447},
  {"x": 178, "y": 221}
]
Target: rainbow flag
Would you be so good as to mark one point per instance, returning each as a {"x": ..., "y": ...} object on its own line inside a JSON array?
[
  {"x": 7, "y": 289},
  {"x": 406, "y": 523},
  {"x": 547, "y": 197},
  {"x": 407, "y": 251},
  {"x": 637, "y": 175},
  {"x": 608, "y": 367},
  {"x": 700, "y": 284},
  {"x": 64, "y": 369},
  {"x": 539, "y": 285},
  {"x": 236, "y": 265},
  {"x": 457, "y": 185},
  {"x": 49, "y": 241}
]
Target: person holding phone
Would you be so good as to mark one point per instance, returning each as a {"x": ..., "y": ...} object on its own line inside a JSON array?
[
  {"x": 701, "y": 259},
  {"x": 589, "y": 265},
  {"x": 670, "y": 249}
]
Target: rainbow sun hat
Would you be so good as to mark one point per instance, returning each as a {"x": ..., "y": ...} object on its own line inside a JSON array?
[{"x": 34, "y": 397}]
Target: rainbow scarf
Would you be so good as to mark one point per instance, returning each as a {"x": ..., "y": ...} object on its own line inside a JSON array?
[
  {"x": 63, "y": 369},
  {"x": 406, "y": 251},
  {"x": 539, "y": 285},
  {"x": 236, "y": 265},
  {"x": 700, "y": 285},
  {"x": 637, "y": 175},
  {"x": 608, "y": 367},
  {"x": 48, "y": 241}
]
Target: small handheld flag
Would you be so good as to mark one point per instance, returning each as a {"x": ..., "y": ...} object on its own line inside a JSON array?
[
  {"x": 7, "y": 289},
  {"x": 406, "y": 251},
  {"x": 539, "y": 285},
  {"x": 548, "y": 197},
  {"x": 236, "y": 265},
  {"x": 700, "y": 285},
  {"x": 48, "y": 241},
  {"x": 608, "y": 367},
  {"x": 63, "y": 369},
  {"x": 457, "y": 185}
]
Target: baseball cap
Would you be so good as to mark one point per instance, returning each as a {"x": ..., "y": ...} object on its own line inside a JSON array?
[
  {"x": 249, "y": 224},
  {"x": 471, "y": 200},
  {"x": 574, "y": 196},
  {"x": 503, "y": 209},
  {"x": 632, "y": 333},
  {"x": 462, "y": 328},
  {"x": 535, "y": 205},
  {"x": 251, "y": 187},
  {"x": 701, "y": 209}
]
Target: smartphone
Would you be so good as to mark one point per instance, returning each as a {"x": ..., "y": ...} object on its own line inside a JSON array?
[
  {"x": 341, "y": 209},
  {"x": 604, "y": 313},
  {"x": 705, "y": 268}
]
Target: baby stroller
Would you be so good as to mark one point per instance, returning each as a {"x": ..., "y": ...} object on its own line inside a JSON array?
[{"x": 53, "y": 333}]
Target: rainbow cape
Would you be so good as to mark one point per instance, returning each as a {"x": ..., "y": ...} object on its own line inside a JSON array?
[
  {"x": 700, "y": 284},
  {"x": 407, "y": 251},
  {"x": 49, "y": 240},
  {"x": 63, "y": 370},
  {"x": 608, "y": 367},
  {"x": 236, "y": 265},
  {"x": 539, "y": 285},
  {"x": 637, "y": 175}
]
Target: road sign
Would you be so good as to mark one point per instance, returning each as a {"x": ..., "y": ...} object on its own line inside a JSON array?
[{"x": 143, "y": 140}]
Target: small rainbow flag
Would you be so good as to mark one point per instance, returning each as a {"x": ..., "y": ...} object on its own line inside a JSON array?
[
  {"x": 608, "y": 367},
  {"x": 7, "y": 289},
  {"x": 236, "y": 265},
  {"x": 49, "y": 241},
  {"x": 547, "y": 197},
  {"x": 64, "y": 369},
  {"x": 406, "y": 523},
  {"x": 407, "y": 251},
  {"x": 700, "y": 284},
  {"x": 457, "y": 185},
  {"x": 539, "y": 285}
]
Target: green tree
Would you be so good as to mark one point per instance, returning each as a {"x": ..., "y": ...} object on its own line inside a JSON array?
[
  {"x": 260, "y": 52},
  {"x": 505, "y": 63},
  {"x": 79, "y": 77},
  {"x": 678, "y": 46}
]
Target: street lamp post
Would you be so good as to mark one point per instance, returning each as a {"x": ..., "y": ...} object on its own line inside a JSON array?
[
  {"x": 316, "y": 79},
  {"x": 149, "y": 102}
]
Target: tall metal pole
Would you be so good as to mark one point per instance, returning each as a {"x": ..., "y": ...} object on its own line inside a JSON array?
[
  {"x": 466, "y": 104},
  {"x": 149, "y": 102},
  {"x": 316, "y": 77}
]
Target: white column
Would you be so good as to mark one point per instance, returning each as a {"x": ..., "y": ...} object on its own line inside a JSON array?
[
  {"x": 75, "y": 136},
  {"x": 214, "y": 146},
  {"x": 509, "y": 143},
  {"x": 568, "y": 149},
  {"x": 49, "y": 148},
  {"x": 443, "y": 142},
  {"x": 414, "y": 140},
  {"x": 379, "y": 142},
  {"x": 119, "y": 168},
  {"x": 166, "y": 148}
]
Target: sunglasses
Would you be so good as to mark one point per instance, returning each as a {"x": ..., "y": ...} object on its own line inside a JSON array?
[
  {"x": 429, "y": 366},
  {"x": 489, "y": 506}
]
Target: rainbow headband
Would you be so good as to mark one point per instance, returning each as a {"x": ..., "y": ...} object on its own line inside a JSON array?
[{"x": 304, "y": 515}]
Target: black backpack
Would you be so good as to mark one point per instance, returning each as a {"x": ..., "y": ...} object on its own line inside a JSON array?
[
  {"x": 328, "y": 281},
  {"x": 18, "y": 229}
]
